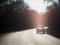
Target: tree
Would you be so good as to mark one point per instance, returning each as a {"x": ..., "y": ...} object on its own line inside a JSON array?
[
  {"x": 54, "y": 16},
  {"x": 13, "y": 14}
]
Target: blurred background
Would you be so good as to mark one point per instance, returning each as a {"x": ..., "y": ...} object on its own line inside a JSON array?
[{"x": 18, "y": 15}]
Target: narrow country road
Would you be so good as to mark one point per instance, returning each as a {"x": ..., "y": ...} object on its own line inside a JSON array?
[{"x": 28, "y": 37}]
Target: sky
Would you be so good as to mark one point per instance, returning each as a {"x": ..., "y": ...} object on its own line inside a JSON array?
[{"x": 37, "y": 5}]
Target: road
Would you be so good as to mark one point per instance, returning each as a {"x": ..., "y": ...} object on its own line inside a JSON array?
[{"x": 28, "y": 37}]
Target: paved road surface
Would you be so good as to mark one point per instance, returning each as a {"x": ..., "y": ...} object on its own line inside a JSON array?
[{"x": 28, "y": 37}]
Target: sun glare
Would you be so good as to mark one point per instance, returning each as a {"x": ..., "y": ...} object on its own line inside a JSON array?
[{"x": 37, "y": 5}]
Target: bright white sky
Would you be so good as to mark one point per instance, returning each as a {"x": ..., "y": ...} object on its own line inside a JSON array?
[{"x": 37, "y": 5}]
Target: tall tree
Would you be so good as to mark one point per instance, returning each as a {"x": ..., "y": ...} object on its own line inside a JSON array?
[
  {"x": 13, "y": 15},
  {"x": 54, "y": 16}
]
